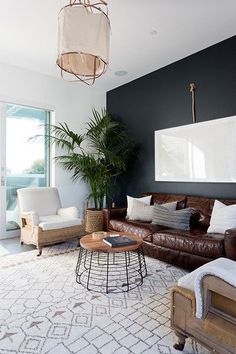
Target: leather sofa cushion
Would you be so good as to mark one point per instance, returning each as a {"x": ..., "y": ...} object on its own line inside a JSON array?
[
  {"x": 179, "y": 258},
  {"x": 205, "y": 206},
  {"x": 144, "y": 230},
  {"x": 160, "y": 198},
  {"x": 193, "y": 242}
]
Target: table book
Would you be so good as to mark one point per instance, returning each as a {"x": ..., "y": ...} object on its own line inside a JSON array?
[{"x": 119, "y": 241}]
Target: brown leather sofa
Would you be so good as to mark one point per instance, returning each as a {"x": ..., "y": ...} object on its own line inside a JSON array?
[{"x": 188, "y": 249}]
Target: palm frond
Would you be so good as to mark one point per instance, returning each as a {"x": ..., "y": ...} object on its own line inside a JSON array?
[{"x": 109, "y": 150}]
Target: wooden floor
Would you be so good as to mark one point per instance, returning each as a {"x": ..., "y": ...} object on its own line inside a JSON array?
[{"x": 13, "y": 246}]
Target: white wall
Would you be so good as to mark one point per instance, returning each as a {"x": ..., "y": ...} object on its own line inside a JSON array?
[{"x": 72, "y": 103}]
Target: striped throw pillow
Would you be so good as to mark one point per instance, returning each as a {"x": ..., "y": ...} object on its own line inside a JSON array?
[
  {"x": 144, "y": 212},
  {"x": 178, "y": 219}
]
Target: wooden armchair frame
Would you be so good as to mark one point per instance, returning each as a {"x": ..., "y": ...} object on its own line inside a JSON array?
[
  {"x": 35, "y": 235},
  {"x": 217, "y": 329}
]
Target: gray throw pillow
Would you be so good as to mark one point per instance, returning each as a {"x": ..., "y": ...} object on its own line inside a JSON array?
[{"x": 178, "y": 219}]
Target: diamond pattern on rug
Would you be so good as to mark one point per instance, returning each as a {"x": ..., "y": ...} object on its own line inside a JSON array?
[{"x": 44, "y": 311}]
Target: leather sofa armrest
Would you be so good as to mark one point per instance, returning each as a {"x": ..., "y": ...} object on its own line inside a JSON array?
[
  {"x": 230, "y": 244},
  {"x": 112, "y": 213}
]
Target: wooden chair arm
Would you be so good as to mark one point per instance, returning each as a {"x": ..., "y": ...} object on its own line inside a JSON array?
[
  {"x": 219, "y": 298},
  {"x": 29, "y": 218}
]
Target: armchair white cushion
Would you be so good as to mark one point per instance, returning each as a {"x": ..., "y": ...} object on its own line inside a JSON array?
[
  {"x": 41, "y": 200},
  {"x": 43, "y": 219},
  {"x": 70, "y": 213},
  {"x": 53, "y": 222}
]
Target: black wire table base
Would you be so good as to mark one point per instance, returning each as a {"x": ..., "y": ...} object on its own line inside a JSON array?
[{"x": 110, "y": 272}]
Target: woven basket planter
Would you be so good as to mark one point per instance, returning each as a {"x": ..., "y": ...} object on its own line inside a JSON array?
[{"x": 93, "y": 220}]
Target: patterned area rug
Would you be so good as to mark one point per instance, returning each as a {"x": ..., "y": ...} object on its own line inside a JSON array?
[{"x": 43, "y": 309}]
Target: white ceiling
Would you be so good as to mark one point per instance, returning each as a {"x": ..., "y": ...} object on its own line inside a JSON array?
[{"x": 28, "y": 33}]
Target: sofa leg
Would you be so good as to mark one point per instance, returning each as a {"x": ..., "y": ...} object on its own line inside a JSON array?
[
  {"x": 181, "y": 341},
  {"x": 21, "y": 242},
  {"x": 40, "y": 251}
]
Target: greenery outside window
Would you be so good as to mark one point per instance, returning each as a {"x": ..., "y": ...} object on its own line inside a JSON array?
[{"x": 27, "y": 164}]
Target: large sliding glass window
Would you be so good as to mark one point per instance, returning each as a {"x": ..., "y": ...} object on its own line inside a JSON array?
[{"x": 27, "y": 161}]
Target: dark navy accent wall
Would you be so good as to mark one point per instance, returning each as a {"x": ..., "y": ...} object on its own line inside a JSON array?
[{"x": 162, "y": 100}]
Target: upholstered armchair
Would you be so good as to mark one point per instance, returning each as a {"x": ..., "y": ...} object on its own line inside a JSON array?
[
  {"x": 43, "y": 220},
  {"x": 214, "y": 326}
]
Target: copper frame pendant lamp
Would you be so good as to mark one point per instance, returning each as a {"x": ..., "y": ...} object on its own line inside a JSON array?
[{"x": 83, "y": 40}]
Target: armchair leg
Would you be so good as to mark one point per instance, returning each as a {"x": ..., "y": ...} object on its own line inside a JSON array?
[
  {"x": 21, "y": 242},
  {"x": 40, "y": 251},
  {"x": 181, "y": 341}
]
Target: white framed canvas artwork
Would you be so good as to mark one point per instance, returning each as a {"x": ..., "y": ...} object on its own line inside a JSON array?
[{"x": 198, "y": 152}]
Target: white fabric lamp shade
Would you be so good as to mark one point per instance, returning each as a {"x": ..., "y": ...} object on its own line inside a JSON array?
[{"x": 83, "y": 41}]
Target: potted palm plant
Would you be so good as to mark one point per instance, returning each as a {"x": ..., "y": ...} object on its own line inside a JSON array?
[{"x": 96, "y": 157}]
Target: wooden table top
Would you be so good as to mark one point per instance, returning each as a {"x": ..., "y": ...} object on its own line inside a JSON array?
[{"x": 97, "y": 245}]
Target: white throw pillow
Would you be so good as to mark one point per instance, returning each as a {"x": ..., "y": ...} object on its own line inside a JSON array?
[
  {"x": 223, "y": 217},
  {"x": 145, "y": 200},
  {"x": 141, "y": 211}
]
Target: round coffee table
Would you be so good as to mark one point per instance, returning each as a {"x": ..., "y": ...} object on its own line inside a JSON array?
[{"x": 108, "y": 269}]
